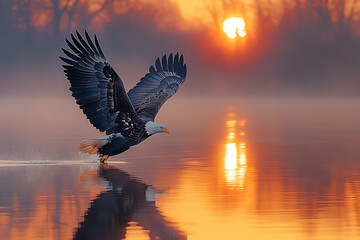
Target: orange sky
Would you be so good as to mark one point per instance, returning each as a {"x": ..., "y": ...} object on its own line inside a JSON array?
[
  {"x": 192, "y": 9},
  {"x": 198, "y": 9}
]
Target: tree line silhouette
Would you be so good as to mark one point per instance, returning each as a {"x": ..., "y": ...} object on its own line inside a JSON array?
[{"x": 331, "y": 18}]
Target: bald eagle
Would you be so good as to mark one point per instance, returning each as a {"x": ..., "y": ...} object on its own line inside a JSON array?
[{"x": 126, "y": 118}]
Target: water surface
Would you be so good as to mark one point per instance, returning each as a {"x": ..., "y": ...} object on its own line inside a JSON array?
[{"x": 252, "y": 169}]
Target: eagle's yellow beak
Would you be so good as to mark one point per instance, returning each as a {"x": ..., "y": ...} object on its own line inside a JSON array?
[{"x": 166, "y": 130}]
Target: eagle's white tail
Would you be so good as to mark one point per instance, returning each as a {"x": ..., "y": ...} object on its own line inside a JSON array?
[{"x": 91, "y": 146}]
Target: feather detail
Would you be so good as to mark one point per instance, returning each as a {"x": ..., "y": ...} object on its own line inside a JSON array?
[
  {"x": 91, "y": 146},
  {"x": 162, "y": 82},
  {"x": 95, "y": 85},
  {"x": 104, "y": 158}
]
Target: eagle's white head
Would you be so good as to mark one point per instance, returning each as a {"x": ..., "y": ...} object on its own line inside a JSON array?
[{"x": 152, "y": 128}]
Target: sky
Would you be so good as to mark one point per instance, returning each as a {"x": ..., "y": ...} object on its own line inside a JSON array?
[
  {"x": 289, "y": 49},
  {"x": 189, "y": 8}
]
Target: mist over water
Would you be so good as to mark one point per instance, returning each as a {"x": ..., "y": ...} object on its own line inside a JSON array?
[{"x": 52, "y": 127}]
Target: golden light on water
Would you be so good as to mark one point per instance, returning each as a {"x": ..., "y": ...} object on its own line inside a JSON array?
[
  {"x": 231, "y": 156},
  {"x": 234, "y": 26},
  {"x": 235, "y": 153},
  {"x": 136, "y": 232}
]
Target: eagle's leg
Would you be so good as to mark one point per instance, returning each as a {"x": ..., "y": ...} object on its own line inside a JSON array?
[{"x": 104, "y": 158}]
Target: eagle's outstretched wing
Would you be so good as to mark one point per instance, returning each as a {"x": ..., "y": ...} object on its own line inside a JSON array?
[
  {"x": 157, "y": 86},
  {"x": 95, "y": 85}
]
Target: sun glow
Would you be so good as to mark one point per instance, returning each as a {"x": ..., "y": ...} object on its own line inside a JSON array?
[
  {"x": 235, "y": 153},
  {"x": 234, "y": 25}
]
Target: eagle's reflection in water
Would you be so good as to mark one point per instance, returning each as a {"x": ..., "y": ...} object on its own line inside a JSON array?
[{"x": 128, "y": 200}]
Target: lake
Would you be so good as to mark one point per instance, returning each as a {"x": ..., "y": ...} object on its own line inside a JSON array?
[{"x": 230, "y": 169}]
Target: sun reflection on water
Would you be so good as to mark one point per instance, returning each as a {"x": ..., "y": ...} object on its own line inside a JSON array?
[
  {"x": 235, "y": 152},
  {"x": 135, "y": 232}
]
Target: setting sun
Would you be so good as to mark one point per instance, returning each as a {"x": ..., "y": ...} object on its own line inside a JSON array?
[{"x": 234, "y": 25}]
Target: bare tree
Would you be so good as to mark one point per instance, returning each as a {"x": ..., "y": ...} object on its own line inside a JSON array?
[
  {"x": 59, "y": 10},
  {"x": 85, "y": 17},
  {"x": 21, "y": 14},
  {"x": 66, "y": 13},
  {"x": 344, "y": 21}
]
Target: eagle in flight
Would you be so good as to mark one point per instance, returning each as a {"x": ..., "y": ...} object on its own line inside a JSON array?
[{"x": 126, "y": 118}]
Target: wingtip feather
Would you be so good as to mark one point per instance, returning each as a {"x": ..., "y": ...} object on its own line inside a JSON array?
[
  {"x": 164, "y": 63},
  {"x": 98, "y": 47},
  {"x": 158, "y": 65}
]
